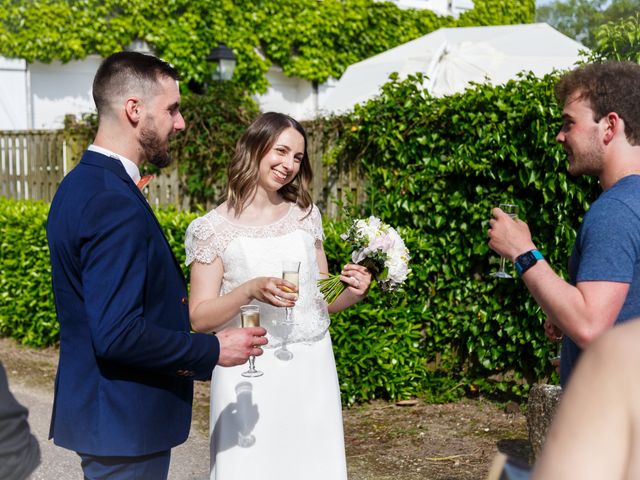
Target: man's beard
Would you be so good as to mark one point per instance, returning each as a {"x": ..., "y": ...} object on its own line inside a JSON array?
[
  {"x": 155, "y": 151},
  {"x": 587, "y": 161}
]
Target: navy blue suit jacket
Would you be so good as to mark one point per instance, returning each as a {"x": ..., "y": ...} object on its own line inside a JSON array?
[{"x": 124, "y": 385}]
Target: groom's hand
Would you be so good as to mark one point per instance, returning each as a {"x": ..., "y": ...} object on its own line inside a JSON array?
[{"x": 238, "y": 344}]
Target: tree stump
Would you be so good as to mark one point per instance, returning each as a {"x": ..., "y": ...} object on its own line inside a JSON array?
[{"x": 543, "y": 400}]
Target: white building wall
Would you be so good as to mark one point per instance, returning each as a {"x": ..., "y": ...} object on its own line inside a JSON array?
[
  {"x": 440, "y": 7},
  {"x": 60, "y": 89},
  {"x": 293, "y": 96},
  {"x": 13, "y": 94}
]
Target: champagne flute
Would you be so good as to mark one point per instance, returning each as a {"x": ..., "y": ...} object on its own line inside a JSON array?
[
  {"x": 250, "y": 317},
  {"x": 290, "y": 273},
  {"x": 512, "y": 211}
]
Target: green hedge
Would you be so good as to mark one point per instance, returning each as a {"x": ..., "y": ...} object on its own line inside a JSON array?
[
  {"x": 27, "y": 312},
  {"x": 435, "y": 168},
  {"x": 385, "y": 347},
  {"x": 438, "y": 166},
  {"x": 378, "y": 349}
]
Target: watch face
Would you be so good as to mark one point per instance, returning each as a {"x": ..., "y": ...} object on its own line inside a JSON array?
[{"x": 525, "y": 261}]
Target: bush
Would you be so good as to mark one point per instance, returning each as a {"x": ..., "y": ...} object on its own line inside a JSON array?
[
  {"x": 434, "y": 168},
  {"x": 378, "y": 342},
  {"x": 377, "y": 346},
  {"x": 619, "y": 40},
  {"x": 437, "y": 166},
  {"x": 215, "y": 121},
  {"x": 27, "y": 311}
]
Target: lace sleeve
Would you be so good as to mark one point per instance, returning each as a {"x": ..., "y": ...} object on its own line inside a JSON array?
[
  {"x": 313, "y": 224},
  {"x": 200, "y": 242}
]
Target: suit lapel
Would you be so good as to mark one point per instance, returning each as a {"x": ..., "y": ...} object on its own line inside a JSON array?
[{"x": 114, "y": 165}]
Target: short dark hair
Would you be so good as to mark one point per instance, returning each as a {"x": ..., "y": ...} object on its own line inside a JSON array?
[
  {"x": 252, "y": 146},
  {"x": 124, "y": 73},
  {"x": 608, "y": 87}
]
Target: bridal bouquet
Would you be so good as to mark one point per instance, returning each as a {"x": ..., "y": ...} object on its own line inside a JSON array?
[{"x": 378, "y": 247}]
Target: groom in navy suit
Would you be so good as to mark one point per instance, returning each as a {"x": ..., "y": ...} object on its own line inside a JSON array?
[{"x": 124, "y": 385}]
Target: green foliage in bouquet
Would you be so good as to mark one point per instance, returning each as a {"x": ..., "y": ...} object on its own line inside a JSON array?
[{"x": 376, "y": 246}]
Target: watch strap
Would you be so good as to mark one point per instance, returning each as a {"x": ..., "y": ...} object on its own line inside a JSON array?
[{"x": 527, "y": 260}]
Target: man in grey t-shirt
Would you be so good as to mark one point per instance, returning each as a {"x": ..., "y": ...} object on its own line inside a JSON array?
[{"x": 601, "y": 135}]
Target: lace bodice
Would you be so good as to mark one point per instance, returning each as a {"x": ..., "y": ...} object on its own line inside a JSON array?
[{"x": 249, "y": 252}]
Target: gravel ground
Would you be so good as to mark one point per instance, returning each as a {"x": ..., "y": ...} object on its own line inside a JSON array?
[{"x": 384, "y": 441}]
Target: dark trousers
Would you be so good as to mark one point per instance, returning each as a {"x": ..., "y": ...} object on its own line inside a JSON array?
[
  {"x": 19, "y": 450},
  {"x": 147, "y": 467}
]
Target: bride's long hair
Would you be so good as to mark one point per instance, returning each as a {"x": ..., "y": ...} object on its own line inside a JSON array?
[{"x": 255, "y": 142}]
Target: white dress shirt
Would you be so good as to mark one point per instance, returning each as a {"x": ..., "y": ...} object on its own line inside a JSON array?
[{"x": 132, "y": 169}]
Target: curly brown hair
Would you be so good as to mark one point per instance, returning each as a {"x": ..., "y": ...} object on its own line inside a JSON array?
[
  {"x": 253, "y": 145},
  {"x": 608, "y": 87}
]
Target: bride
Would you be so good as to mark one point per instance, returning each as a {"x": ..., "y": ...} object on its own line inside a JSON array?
[{"x": 287, "y": 423}]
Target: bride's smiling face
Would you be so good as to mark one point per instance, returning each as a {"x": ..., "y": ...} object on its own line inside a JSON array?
[{"x": 281, "y": 163}]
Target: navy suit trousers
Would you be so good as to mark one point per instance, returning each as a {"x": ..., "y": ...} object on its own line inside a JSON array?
[{"x": 146, "y": 467}]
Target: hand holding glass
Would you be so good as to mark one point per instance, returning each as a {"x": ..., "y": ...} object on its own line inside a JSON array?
[
  {"x": 250, "y": 317},
  {"x": 290, "y": 273},
  {"x": 512, "y": 211}
]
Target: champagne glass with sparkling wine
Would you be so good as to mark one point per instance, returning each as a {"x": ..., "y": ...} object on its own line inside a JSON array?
[
  {"x": 290, "y": 273},
  {"x": 250, "y": 317},
  {"x": 512, "y": 211}
]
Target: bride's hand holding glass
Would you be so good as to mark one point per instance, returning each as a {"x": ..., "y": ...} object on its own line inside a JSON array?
[{"x": 273, "y": 290}]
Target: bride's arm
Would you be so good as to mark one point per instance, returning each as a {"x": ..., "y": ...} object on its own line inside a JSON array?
[
  {"x": 208, "y": 311},
  {"x": 356, "y": 277}
]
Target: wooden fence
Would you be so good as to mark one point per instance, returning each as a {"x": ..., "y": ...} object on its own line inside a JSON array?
[
  {"x": 335, "y": 184},
  {"x": 33, "y": 163}
]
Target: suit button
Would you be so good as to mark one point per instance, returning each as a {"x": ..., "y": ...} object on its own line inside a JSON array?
[{"x": 184, "y": 300}]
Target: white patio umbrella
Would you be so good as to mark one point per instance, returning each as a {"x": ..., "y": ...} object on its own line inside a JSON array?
[
  {"x": 461, "y": 64},
  {"x": 454, "y": 57}
]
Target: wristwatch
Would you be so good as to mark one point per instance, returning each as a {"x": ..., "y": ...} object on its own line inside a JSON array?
[{"x": 527, "y": 260}]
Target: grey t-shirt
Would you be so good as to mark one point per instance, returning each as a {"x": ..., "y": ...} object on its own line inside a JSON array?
[{"x": 607, "y": 249}]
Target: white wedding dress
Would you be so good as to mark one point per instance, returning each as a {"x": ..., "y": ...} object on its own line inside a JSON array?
[{"x": 287, "y": 424}]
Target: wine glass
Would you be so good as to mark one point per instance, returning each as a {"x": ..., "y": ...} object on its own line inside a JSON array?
[
  {"x": 250, "y": 317},
  {"x": 291, "y": 273},
  {"x": 512, "y": 211}
]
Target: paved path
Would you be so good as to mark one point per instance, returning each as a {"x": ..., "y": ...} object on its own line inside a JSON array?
[{"x": 189, "y": 461}]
